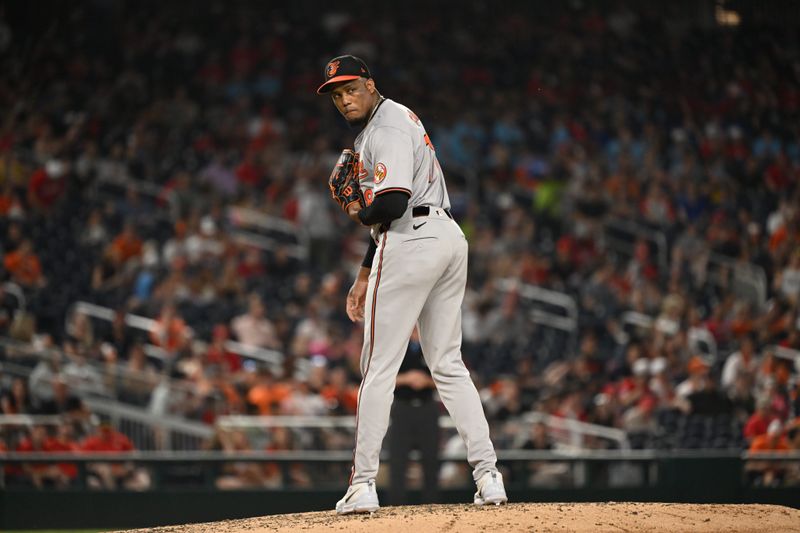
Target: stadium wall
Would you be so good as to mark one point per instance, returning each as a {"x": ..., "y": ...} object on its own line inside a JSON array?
[{"x": 684, "y": 480}]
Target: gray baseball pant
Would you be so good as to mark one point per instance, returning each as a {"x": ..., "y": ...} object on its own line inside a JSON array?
[{"x": 418, "y": 276}]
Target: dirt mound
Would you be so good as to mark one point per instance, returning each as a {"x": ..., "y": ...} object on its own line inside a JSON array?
[{"x": 522, "y": 517}]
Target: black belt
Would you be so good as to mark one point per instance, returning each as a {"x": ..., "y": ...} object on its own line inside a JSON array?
[{"x": 425, "y": 210}]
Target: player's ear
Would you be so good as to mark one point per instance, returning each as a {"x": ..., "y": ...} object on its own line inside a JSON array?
[{"x": 370, "y": 85}]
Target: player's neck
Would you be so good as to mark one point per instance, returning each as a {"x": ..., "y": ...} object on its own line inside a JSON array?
[
  {"x": 378, "y": 101},
  {"x": 361, "y": 124}
]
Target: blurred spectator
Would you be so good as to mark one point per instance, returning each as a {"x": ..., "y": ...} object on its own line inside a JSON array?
[
  {"x": 24, "y": 266},
  {"x": 218, "y": 354},
  {"x": 760, "y": 420},
  {"x": 109, "y": 277},
  {"x": 742, "y": 362},
  {"x": 8, "y": 307},
  {"x": 281, "y": 439},
  {"x": 17, "y": 400},
  {"x": 236, "y": 475},
  {"x": 11, "y": 206},
  {"x": 63, "y": 402},
  {"x": 41, "y": 475},
  {"x": 767, "y": 473},
  {"x": 254, "y": 328},
  {"x": 64, "y": 442},
  {"x": 47, "y": 185},
  {"x": 127, "y": 245},
  {"x": 140, "y": 377},
  {"x": 112, "y": 476},
  {"x": 94, "y": 234},
  {"x": 170, "y": 332}
]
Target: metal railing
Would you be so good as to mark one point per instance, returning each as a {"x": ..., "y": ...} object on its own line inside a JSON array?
[
  {"x": 273, "y": 358},
  {"x": 747, "y": 280},
  {"x": 786, "y": 353},
  {"x": 627, "y": 468},
  {"x": 162, "y": 432},
  {"x": 621, "y": 235},
  {"x": 152, "y": 425},
  {"x": 16, "y": 291},
  {"x": 553, "y": 310},
  {"x": 107, "y": 380},
  {"x": 572, "y": 432},
  {"x": 30, "y": 420},
  {"x": 568, "y": 321},
  {"x": 247, "y": 226},
  {"x": 699, "y": 340},
  {"x": 254, "y": 228}
]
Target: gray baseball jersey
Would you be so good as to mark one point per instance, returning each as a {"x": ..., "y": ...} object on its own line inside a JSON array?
[
  {"x": 396, "y": 154},
  {"x": 418, "y": 277}
]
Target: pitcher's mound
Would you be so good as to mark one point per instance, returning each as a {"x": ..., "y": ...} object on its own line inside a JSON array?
[{"x": 522, "y": 517}]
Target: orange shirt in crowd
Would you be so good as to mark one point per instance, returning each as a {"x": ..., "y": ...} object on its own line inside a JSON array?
[
  {"x": 169, "y": 336},
  {"x": 127, "y": 247},
  {"x": 347, "y": 397},
  {"x": 264, "y": 397},
  {"x": 24, "y": 268},
  {"x": 6, "y": 201},
  {"x": 765, "y": 443}
]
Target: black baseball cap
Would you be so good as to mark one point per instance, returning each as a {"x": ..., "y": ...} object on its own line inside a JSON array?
[{"x": 343, "y": 68}]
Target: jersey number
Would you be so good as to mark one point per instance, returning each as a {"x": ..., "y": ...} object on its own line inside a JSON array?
[{"x": 428, "y": 143}]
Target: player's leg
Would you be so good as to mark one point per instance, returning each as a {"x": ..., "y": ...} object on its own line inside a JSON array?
[
  {"x": 399, "y": 283},
  {"x": 440, "y": 338}
]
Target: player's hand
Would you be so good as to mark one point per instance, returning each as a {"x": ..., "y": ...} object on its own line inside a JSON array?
[
  {"x": 356, "y": 298},
  {"x": 352, "y": 211}
]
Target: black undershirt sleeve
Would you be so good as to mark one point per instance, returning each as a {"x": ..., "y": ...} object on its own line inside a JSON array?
[
  {"x": 384, "y": 209},
  {"x": 367, "y": 262}
]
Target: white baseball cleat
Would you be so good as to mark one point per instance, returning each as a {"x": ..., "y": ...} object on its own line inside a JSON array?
[
  {"x": 359, "y": 498},
  {"x": 491, "y": 489}
]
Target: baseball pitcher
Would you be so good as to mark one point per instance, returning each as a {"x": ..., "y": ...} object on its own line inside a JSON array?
[{"x": 414, "y": 273}]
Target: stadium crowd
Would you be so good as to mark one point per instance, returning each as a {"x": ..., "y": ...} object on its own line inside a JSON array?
[{"x": 563, "y": 124}]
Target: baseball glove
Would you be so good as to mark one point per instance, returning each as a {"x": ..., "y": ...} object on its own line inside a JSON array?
[{"x": 344, "y": 181}]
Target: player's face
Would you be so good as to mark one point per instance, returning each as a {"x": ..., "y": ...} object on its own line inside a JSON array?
[{"x": 354, "y": 99}]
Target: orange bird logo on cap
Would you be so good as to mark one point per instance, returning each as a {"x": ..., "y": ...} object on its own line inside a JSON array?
[{"x": 333, "y": 66}]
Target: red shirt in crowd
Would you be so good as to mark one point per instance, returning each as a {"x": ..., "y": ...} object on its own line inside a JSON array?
[
  {"x": 44, "y": 190},
  {"x": 107, "y": 440},
  {"x": 27, "y": 445},
  {"x": 757, "y": 425},
  {"x": 55, "y": 445}
]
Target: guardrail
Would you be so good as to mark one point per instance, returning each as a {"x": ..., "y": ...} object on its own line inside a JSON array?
[
  {"x": 748, "y": 280},
  {"x": 700, "y": 340},
  {"x": 297, "y": 456},
  {"x": 572, "y": 432},
  {"x": 273, "y": 358},
  {"x": 567, "y": 322},
  {"x": 30, "y": 420},
  {"x": 621, "y": 235},
  {"x": 16, "y": 291},
  {"x": 786, "y": 353}
]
